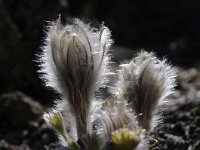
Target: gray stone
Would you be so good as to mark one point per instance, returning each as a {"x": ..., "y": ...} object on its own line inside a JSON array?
[{"x": 17, "y": 109}]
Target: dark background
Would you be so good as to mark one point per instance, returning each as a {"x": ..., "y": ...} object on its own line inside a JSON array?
[{"x": 169, "y": 27}]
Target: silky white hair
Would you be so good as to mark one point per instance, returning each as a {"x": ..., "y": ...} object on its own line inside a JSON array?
[
  {"x": 145, "y": 82},
  {"x": 74, "y": 63}
]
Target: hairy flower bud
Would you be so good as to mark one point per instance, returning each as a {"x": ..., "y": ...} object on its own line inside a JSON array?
[
  {"x": 145, "y": 82},
  {"x": 74, "y": 62}
]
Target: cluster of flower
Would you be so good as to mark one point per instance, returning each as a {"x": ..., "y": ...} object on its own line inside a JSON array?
[{"x": 74, "y": 62}]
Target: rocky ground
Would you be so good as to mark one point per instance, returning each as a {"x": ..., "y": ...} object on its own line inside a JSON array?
[
  {"x": 181, "y": 128},
  {"x": 22, "y": 127}
]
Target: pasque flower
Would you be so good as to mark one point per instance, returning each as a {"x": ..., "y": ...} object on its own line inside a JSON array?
[
  {"x": 145, "y": 82},
  {"x": 73, "y": 63}
]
